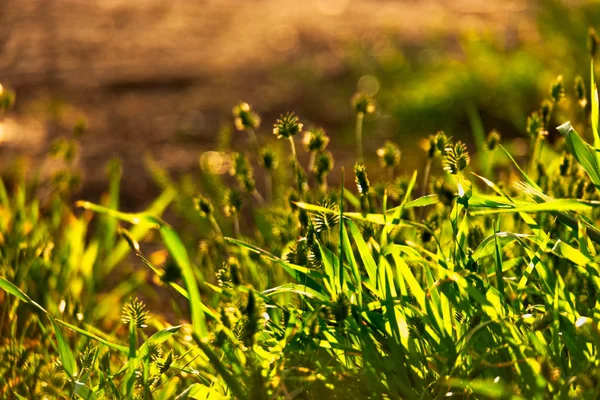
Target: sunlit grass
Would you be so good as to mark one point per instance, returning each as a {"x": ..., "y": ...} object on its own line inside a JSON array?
[{"x": 477, "y": 277}]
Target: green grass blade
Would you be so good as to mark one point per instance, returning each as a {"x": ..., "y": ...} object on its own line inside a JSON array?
[
  {"x": 132, "y": 218},
  {"x": 553, "y": 205},
  {"x": 364, "y": 252},
  {"x": 97, "y": 338},
  {"x": 122, "y": 249},
  {"x": 582, "y": 152},
  {"x": 527, "y": 178},
  {"x": 179, "y": 253},
  {"x": 595, "y": 108},
  {"x": 498, "y": 259},
  {"x": 341, "y": 240},
  {"x": 64, "y": 351}
]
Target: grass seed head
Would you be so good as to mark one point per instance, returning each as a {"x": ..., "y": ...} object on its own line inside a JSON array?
[
  {"x": 493, "y": 140},
  {"x": 164, "y": 366},
  {"x": 323, "y": 165},
  {"x": 325, "y": 221},
  {"x": 135, "y": 310},
  {"x": 204, "y": 206},
  {"x": 315, "y": 140},
  {"x": 233, "y": 202},
  {"x": 546, "y": 111},
  {"x": 268, "y": 159},
  {"x": 389, "y": 155},
  {"x": 593, "y": 43},
  {"x": 456, "y": 158},
  {"x": 580, "y": 91},
  {"x": 362, "y": 103},
  {"x": 557, "y": 90},
  {"x": 535, "y": 124},
  {"x": 362, "y": 181},
  {"x": 88, "y": 357},
  {"x": 230, "y": 273},
  {"x": 565, "y": 164},
  {"x": 287, "y": 126},
  {"x": 441, "y": 141},
  {"x": 244, "y": 118},
  {"x": 154, "y": 350},
  {"x": 297, "y": 253},
  {"x": 243, "y": 172}
]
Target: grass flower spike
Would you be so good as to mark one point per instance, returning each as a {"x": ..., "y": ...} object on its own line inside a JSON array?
[
  {"x": 287, "y": 125},
  {"x": 244, "y": 118},
  {"x": 389, "y": 157},
  {"x": 362, "y": 104},
  {"x": 314, "y": 140},
  {"x": 323, "y": 166},
  {"x": 456, "y": 158}
]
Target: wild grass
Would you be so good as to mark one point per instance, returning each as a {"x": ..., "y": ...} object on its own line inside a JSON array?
[{"x": 479, "y": 279}]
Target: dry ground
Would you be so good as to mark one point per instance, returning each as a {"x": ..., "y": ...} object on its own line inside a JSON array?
[{"x": 159, "y": 77}]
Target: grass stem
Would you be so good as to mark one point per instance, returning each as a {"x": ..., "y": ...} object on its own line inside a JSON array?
[{"x": 359, "y": 142}]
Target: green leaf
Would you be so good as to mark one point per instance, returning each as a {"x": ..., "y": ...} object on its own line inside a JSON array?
[
  {"x": 83, "y": 391},
  {"x": 498, "y": 259},
  {"x": 132, "y": 218},
  {"x": 296, "y": 288},
  {"x": 527, "y": 178},
  {"x": 139, "y": 231},
  {"x": 64, "y": 351},
  {"x": 179, "y": 253},
  {"x": 15, "y": 291},
  {"x": 364, "y": 252},
  {"x": 553, "y": 205},
  {"x": 595, "y": 108},
  {"x": 97, "y": 338},
  {"x": 582, "y": 152},
  {"x": 570, "y": 253},
  {"x": 341, "y": 241}
]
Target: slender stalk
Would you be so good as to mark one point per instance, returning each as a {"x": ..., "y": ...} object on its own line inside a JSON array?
[
  {"x": 215, "y": 225},
  {"x": 253, "y": 138},
  {"x": 490, "y": 163},
  {"x": 359, "y": 144},
  {"x": 532, "y": 154},
  {"x": 324, "y": 184},
  {"x": 256, "y": 194},
  {"x": 426, "y": 176},
  {"x": 311, "y": 162},
  {"x": 269, "y": 186},
  {"x": 296, "y": 172},
  {"x": 425, "y": 188}
]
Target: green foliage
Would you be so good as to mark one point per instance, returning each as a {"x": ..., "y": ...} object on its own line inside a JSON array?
[{"x": 479, "y": 286}]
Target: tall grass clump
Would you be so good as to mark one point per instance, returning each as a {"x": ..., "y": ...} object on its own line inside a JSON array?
[{"x": 479, "y": 279}]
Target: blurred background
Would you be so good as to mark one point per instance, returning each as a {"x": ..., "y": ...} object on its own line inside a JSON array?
[{"x": 160, "y": 78}]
